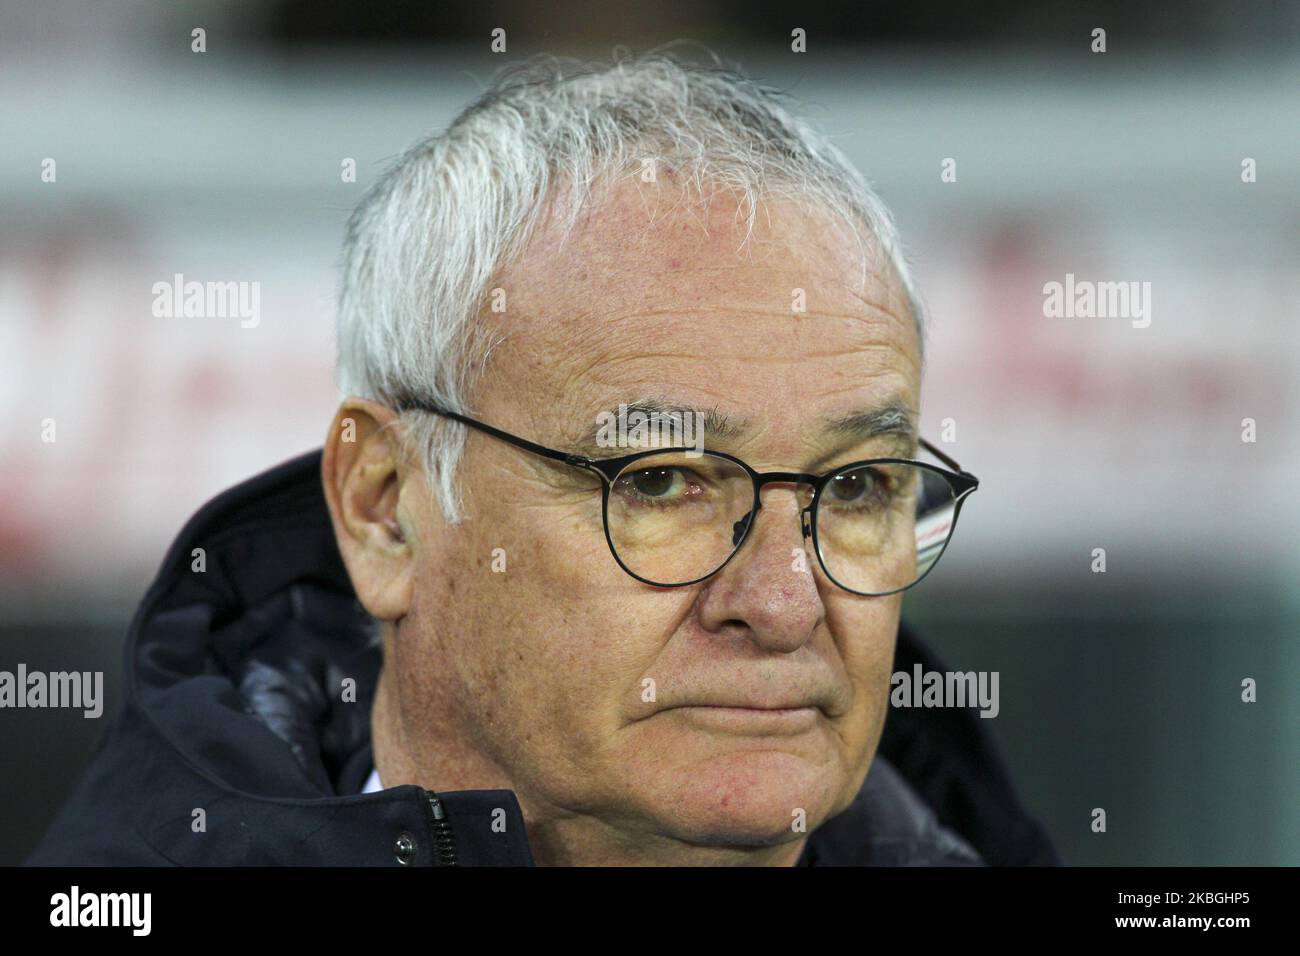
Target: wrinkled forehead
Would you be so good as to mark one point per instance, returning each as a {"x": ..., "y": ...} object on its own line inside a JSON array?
[
  {"x": 657, "y": 289},
  {"x": 631, "y": 242}
]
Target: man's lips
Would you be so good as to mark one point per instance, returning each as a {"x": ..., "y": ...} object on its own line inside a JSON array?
[
  {"x": 746, "y": 692},
  {"x": 774, "y": 701},
  {"x": 753, "y": 698},
  {"x": 746, "y": 705},
  {"x": 748, "y": 718}
]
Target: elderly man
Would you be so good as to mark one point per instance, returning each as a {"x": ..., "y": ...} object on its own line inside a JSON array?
[{"x": 480, "y": 627}]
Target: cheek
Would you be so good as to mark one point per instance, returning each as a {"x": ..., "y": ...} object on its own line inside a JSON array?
[
  {"x": 545, "y": 637},
  {"x": 866, "y": 632}
]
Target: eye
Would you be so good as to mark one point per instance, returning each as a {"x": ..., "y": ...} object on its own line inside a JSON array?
[
  {"x": 858, "y": 487},
  {"x": 655, "y": 484}
]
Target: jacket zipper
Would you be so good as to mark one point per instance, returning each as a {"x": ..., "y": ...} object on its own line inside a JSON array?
[{"x": 444, "y": 845}]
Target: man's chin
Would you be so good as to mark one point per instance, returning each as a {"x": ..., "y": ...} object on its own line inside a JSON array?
[{"x": 747, "y": 798}]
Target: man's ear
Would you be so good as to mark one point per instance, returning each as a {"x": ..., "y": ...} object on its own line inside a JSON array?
[{"x": 363, "y": 470}]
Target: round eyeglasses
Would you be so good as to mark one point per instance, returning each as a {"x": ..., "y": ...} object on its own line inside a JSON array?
[{"x": 675, "y": 517}]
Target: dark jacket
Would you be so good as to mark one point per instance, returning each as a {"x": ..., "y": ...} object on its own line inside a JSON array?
[{"x": 235, "y": 745}]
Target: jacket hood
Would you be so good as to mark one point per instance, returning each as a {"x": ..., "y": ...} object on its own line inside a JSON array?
[{"x": 237, "y": 744}]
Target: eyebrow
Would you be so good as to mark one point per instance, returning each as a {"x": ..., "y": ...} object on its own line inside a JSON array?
[
  {"x": 718, "y": 427},
  {"x": 893, "y": 419}
]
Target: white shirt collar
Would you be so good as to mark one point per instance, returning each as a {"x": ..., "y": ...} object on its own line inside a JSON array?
[{"x": 372, "y": 782}]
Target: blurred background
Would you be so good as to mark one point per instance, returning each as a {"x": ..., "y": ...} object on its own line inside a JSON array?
[{"x": 1119, "y": 690}]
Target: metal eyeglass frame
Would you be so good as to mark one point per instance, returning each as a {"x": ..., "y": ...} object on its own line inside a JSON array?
[{"x": 610, "y": 469}]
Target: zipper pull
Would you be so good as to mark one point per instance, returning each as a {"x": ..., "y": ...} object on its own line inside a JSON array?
[{"x": 444, "y": 845}]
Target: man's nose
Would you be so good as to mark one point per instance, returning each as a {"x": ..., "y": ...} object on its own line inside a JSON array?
[{"x": 768, "y": 588}]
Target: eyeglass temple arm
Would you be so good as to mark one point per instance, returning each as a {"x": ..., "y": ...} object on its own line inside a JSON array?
[
  {"x": 944, "y": 458},
  {"x": 515, "y": 440}
]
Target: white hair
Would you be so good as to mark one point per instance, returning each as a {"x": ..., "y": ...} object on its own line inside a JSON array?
[{"x": 423, "y": 245}]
